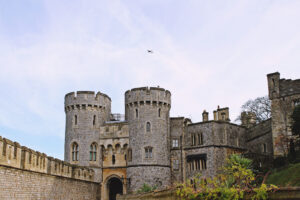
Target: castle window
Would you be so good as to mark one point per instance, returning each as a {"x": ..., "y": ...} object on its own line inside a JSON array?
[
  {"x": 94, "y": 120},
  {"x": 148, "y": 127},
  {"x": 107, "y": 129},
  {"x": 136, "y": 113},
  {"x": 200, "y": 139},
  {"x": 93, "y": 152},
  {"x": 113, "y": 159},
  {"x": 237, "y": 141},
  {"x": 129, "y": 154},
  {"x": 75, "y": 120},
  {"x": 196, "y": 162},
  {"x": 75, "y": 151},
  {"x": 125, "y": 157},
  {"x": 15, "y": 152},
  {"x": 148, "y": 152},
  {"x": 193, "y": 139},
  {"x": 175, "y": 143},
  {"x": 176, "y": 164},
  {"x": 264, "y": 146},
  {"x": 159, "y": 112}
]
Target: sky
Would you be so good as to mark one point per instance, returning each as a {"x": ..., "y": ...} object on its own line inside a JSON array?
[{"x": 207, "y": 53}]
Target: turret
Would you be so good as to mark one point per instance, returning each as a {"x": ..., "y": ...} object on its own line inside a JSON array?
[
  {"x": 147, "y": 112},
  {"x": 221, "y": 114},
  {"x": 204, "y": 116},
  {"x": 85, "y": 113},
  {"x": 273, "y": 85}
]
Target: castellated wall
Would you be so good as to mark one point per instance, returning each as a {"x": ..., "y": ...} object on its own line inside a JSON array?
[
  {"x": 285, "y": 95},
  {"x": 28, "y": 174},
  {"x": 85, "y": 112},
  {"x": 148, "y": 106}
]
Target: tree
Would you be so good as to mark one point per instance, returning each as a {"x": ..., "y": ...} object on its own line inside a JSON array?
[
  {"x": 260, "y": 107},
  {"x": 236, "y": 180}
]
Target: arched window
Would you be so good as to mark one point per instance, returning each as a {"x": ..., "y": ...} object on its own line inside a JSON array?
[
  {"x": 159, "y": 112},
  {"x": 75, "y": 151},
  {"x": 136, "y": 113},
  {"x": 148, "y": 127},
  {"x": 75, "y": 119},
  {"x": 93, "y": 152},
  {"x": 94, "y": 119},
  {"x": 113, "y": 159}
]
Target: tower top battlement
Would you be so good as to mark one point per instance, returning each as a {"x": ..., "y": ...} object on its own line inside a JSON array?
[
  {"x": 87, "y": 97},
  {"x": 152, "y": 94}
]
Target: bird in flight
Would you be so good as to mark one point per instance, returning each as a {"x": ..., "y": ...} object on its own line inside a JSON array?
[{"x": 149, "y": 51}]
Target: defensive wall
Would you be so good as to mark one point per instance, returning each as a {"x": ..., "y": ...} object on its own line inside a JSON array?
[{"x": 29, "y": 174}]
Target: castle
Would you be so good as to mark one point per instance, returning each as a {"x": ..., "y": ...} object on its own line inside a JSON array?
[{"x": 148, "y": 146}]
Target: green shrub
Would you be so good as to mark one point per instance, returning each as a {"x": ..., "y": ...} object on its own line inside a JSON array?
[{"x": 147, "y": 188}]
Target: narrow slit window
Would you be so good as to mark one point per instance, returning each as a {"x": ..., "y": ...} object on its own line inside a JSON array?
[
  {"x": 148, "y": 127},
  {"x": 113, "y": 159},
  {"x": 75, "y": 151},
  {"x": 94, "y": 120},
  {"x": 159, "y": 112},
  {"x": 75, "y": 119},
  {"x": 136, "y": 113}
]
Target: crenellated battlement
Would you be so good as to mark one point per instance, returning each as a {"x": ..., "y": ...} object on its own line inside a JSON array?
[
  {"x": 24, "y": 158},
  {"x": 148, "y": 96},
  {"x": 86, "y": 100}
]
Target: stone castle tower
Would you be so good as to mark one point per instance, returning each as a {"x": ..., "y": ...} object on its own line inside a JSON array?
[
  {"x": 85, "y": 114},
  {"x": 147, "y": 113}
]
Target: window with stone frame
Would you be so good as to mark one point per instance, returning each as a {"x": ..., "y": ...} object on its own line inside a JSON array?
[
  {"x": 175, "y": 143},
  {"x": 94, "y": 120},
  {"x": 264, "y": 148},
  {"x": 159, "y": 112},
  {"x": 136, "y": 113},
  {"x": 113, "y": 159},
  {"x": 148, "y": 127},
  {"x": 129, "y": 153},
  {"x": 93, "y": 152},
  {"x": 200, "y": 138},
  {"x": 176, "y": 164},
  {"x": 148, "y": 152},
  {"x": 196, "y": 162},
  {"x": 193, "y": 139},
  {"x": 75, "y": 120},
  {"x": 74, "y": 151}
]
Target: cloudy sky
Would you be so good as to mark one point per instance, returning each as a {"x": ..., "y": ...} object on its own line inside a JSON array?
[{"x": 207, "y": 53}]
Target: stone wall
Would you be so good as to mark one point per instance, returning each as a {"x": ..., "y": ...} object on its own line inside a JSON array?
[
  {"x": 147, "y": 113},
  {"x": 284, "y": 94},
  {"x": 23, "y": 184},
  {"x": 28, "y": 174},
  {"x": 258, "y": 136}
]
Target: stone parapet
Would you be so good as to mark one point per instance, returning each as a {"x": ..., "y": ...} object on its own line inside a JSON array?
[{"x": 24, "y": 158}]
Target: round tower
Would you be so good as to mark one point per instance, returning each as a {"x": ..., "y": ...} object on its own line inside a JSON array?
[
  {"x": 147, "y": 112},
  {"x": 85, "y": 113}
]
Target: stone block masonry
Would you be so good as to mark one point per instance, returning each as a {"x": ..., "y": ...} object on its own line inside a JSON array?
[
  {"x": 28, "y": 174},
  {"x": 24, "y": 184}
]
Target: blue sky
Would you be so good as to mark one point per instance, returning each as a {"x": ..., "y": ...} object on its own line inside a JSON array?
[{"x": 207, "y": 53}]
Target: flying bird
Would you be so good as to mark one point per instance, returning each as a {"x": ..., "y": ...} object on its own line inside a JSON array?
[{"x": 149, "y": 51}]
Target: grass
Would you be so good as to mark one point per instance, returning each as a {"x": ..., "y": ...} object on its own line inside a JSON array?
[{"x": 285, "y": 177}]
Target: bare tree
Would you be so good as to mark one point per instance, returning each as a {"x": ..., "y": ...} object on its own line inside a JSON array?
[{"x": 260, "y": 107}]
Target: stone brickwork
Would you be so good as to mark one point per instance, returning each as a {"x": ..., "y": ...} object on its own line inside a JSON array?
[
  {"x": 259, "y": 138},
  {"x": 284, "y": 94},
  {"x": 26, "y": 185},
  {"x": 85, "y": 113},
  {"x": 147, "y": 113},
  {"x": 28, "y": 174},
  {"x": 218, "y": 140}
]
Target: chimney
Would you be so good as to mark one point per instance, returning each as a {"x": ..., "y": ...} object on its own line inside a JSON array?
[{"x": 204, "y": 116}]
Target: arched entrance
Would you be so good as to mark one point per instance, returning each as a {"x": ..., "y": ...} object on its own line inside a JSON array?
[{"x": 114, "y": 186}]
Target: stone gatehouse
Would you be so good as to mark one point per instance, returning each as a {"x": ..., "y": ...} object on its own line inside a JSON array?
[{"x": 147, "y": 145}]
